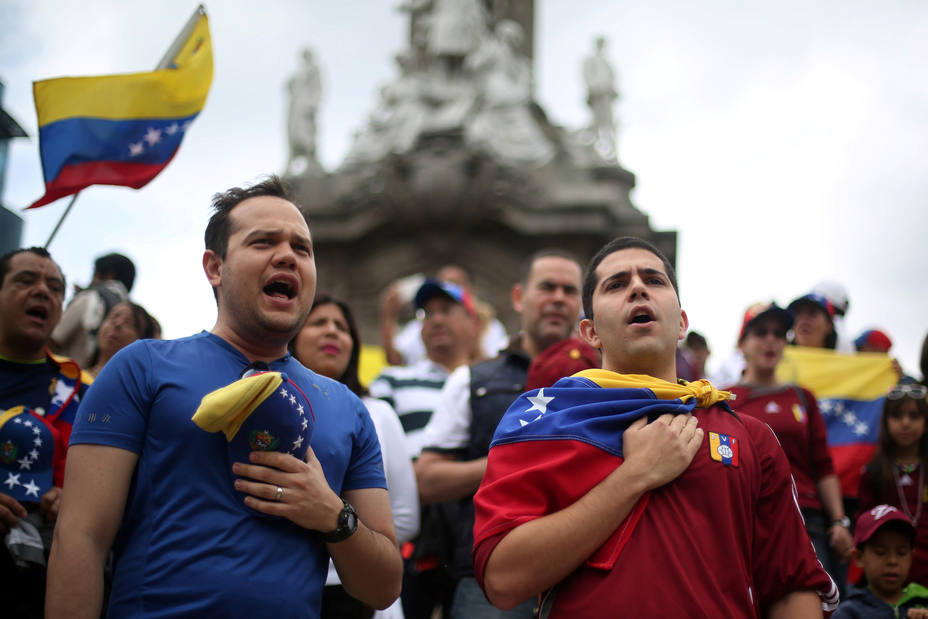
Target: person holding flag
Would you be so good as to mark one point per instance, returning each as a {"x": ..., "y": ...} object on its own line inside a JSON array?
[{"x": 621, "y": 492}]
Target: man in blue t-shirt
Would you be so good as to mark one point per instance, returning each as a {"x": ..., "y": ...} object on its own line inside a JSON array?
[{"x": 198, "y": 533}]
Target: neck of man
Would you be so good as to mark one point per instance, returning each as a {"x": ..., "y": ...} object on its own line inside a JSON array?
[
  {"x": 763, "y": 378},
  {"x": 22, "y": 351},
  {"x": 254, "y": 349},
  {"x": 448, "y": 359},
  {"x": 654, "y": 367}
]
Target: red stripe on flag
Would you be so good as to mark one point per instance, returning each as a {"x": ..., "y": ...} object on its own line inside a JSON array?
[
  {"x": 74, "y": 178},
  {"x": 848, "y": 461}
]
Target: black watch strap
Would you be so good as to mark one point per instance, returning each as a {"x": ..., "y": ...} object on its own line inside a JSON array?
[{"x": 347, "y": 525}]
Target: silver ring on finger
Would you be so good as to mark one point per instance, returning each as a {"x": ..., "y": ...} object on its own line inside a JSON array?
[{"x": 280, "y": 493}]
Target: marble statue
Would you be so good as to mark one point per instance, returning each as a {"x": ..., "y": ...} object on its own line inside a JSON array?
[
  {"x": 305, "y": 93},
  {"x": 601, "y": 95}
]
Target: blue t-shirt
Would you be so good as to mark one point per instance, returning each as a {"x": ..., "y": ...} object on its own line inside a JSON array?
[{"x": 187, "y": 545}]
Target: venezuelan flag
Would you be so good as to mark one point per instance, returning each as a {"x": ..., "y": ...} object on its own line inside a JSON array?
[
  {"x": 121, "y": 129},
  {"x": 850, "y": 390}
]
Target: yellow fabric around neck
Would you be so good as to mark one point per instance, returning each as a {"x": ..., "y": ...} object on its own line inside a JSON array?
[{"x": 706, "y": 395}]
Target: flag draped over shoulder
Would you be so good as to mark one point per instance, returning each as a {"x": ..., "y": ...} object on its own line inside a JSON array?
[
  {"x": 120, "y": 129},
  {"x": 561, "y": 441},
  {"x": 850, "y": 390}
]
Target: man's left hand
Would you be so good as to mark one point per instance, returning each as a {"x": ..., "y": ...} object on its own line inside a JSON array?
[
  {"x": 305, "y": 498},
  {"x": 49, "y": 504}
]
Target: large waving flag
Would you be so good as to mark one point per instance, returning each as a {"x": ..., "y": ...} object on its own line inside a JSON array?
[
  {"x": 850, "y": 390},
  {"x": 122, "y": 129}
]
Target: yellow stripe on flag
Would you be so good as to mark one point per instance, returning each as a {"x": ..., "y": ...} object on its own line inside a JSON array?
[
  {"x": 164, "y": 93},
  {"x": 827, "y": 374}
]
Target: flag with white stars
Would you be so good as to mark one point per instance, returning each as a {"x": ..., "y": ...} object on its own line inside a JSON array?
[
  {"x": 121, "y": 129},
  {"x": 850, "y": 390},
  {"x": 27, "y": 452}
]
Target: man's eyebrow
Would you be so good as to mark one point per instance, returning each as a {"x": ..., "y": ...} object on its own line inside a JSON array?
[
  {"x": 262, "y": 232},
  {"x": 613, "y": 277}
]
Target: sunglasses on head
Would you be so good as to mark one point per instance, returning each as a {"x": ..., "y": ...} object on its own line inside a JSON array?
[
  {"x": 763, "y": 332},
  {"x": 913, "y": 390}
]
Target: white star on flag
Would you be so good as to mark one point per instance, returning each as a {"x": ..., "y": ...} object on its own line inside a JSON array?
[
  {"x": 17, "y": 420},
  {"x": 172, "y": 128},
  {"x": 305, "y": 423},
  {"x": 152, "y": 136},
  {"x": 283, "y": 392},
  {"x": 539, "y": 403},
  {"x": 36, "y": 431},
  {"x": 12, "y": 480},
  {"x": 136, "y": 149},
  {"x": 34, "y": 454},
  {"x": 292, "y": 399},
  {"x": 37, "y": 441},
  {"x": 861, "y": 428},
  {"x": 25, "y": 464},
  {"x": 299, "y": 409},
  {"x": 32, "y": 489},
  {"x": 297, "y": 443},
  {"x": 28, "y": 424}
]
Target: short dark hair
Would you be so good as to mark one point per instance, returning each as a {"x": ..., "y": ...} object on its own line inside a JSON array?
[
  {"x": 350, "y": 376},
  {"x": 549, "y": 252},
  {"x": 695, "y": 340},
  {"x": 218, "y": 229},
  {"x": 115, "y": 266},
  {"x": 6, "y": 258},
  {"x": 618, "y": 244}
]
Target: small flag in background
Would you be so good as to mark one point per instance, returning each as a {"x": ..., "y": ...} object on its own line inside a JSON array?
[
  {"x": 850, "y": 390},
  {"x": 122, "y": 129}
]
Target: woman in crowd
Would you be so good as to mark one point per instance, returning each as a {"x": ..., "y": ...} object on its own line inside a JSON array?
[
  {"x": 329, "y": 344},
  {"x": 793, "y": 414},
  {"x": 814, "y": 325},
  {"x": 125, "y": 323},
  {"x": 896, "y": 475}
]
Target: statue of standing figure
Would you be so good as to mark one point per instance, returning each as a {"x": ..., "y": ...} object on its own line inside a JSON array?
[
  {"x": 305, "y": 93},
  {"x": 601, "y": 94}
]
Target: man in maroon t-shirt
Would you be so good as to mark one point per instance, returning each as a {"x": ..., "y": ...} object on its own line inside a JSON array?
[{"x": 685, "y": 526}]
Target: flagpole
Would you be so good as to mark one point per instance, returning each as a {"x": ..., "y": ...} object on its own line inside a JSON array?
[
  {"x": 181, "y": 39},
  {"x": 61, "y": 220}
]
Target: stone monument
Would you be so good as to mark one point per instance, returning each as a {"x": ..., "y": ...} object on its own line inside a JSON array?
[{"x": 457, "y": 163}]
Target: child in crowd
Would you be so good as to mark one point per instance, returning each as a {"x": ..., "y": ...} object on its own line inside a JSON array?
[
  {"x": 883, "y": 539},
  {"x": 897, "y": 474}
]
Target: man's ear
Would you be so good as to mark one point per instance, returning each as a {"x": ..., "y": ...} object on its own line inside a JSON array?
[
  {"x": 212, "y": 266},
  {"x": 588, "y": 333},
  {"x": 684, "y": 325},
  {"x": 516, "y": 296}
]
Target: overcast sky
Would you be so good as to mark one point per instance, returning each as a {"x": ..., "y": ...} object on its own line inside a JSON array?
[{"x": 786, "y": 142}]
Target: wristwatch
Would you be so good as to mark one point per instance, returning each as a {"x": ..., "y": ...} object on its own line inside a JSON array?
[
  {"x": 347, "y": 525},
  {"x": 844, "y": 522}
]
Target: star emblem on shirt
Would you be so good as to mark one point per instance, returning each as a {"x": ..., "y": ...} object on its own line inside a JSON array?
[
  {"x": 31, "y": 489},
  {"x": 772, "y": 407}
]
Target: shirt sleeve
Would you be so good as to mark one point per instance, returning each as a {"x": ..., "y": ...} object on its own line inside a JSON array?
[
  {"x": 401, "y": 479},
  {"x": 115, "y": 409},
  {"x": 365, "y": 469},
  {"x": 449, "y": 427},
  {"x": 382, "y": 389},
  {"x": 784, "y": 559},
  {"x": 818, "y": 436}
]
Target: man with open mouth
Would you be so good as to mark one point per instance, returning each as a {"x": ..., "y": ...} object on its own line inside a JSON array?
[
  {"x": 48, "y": 388},
  {"x": 621, "y": 492},
  {"x": 200, "y": 532}
]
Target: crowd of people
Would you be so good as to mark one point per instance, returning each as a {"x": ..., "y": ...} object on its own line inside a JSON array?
[{"x": 584, "y": 467}]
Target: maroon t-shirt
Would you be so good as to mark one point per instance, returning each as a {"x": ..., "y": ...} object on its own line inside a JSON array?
[
  {"x": 800, "y": 428},
  {"x": 724, "y": 539}
]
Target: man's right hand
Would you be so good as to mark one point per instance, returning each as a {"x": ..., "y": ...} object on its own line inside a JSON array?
[
  {"x": 660, "y": 451},
  {"x": 10, "y": 512}
]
